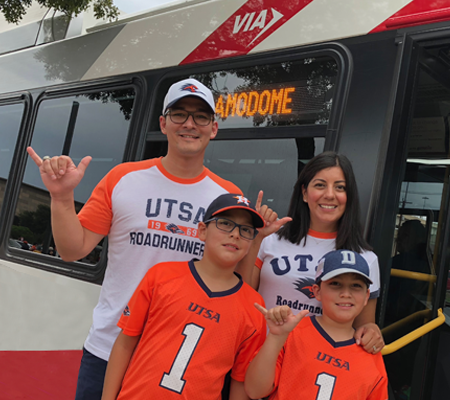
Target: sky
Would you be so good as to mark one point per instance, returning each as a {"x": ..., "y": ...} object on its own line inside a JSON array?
[{"x": 132, "y": 6}]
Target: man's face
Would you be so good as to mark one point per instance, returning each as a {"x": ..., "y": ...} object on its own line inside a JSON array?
[{"x": 188, "y": 139}]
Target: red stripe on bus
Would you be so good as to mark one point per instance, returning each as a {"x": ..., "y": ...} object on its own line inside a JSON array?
[
  {"x": 39, "y": 375},
  {"x": 418, "y": 12},
  {"x": 247, "y": 27}
]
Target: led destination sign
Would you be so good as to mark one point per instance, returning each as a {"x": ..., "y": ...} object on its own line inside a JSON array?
[
  {"x": 289, "y": 93},
  {"x": 247, "y": 104}
]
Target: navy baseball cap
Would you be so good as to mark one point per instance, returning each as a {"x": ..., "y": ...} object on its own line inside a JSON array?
[
  {"x": 231, "y": 201},
  {"x": 340, "y": 262},
  {"x": 188, "y": 87}
]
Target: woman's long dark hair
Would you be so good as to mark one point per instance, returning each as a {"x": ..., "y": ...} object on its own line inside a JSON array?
[{"x": 349, "y": 235}]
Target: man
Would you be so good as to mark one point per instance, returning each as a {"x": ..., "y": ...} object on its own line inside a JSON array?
[{"x": 149, "y": 210}]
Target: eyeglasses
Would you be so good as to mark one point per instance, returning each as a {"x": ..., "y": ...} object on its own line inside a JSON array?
[
  {"x": 180, "y": 117},
  {"x": 247, "y": 232}
]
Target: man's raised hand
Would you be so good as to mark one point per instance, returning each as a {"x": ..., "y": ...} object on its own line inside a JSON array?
[{"x": 59, "y": 174}]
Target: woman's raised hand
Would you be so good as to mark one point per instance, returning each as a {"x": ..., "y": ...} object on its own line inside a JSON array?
[{"x": 273, "y": 223}]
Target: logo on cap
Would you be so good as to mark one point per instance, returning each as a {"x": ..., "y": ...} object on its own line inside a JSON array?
[
  {"x": 191, "y": 88},
  {"x": 242, "y": 199},
  {"x": 339, "y": 262}
]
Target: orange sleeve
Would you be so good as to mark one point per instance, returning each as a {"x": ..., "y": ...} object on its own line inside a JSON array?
[
  {"x": 135, "y": 314},
  {"x": 230, "y": 187},
  {"x": 380, "y": 391},
  {"x": 250, "y": 346},
  {"x": 259, "y": 263},
  {"x": 96, "y": 215}
]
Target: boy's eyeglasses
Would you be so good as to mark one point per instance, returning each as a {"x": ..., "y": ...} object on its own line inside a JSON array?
[
  {"x": 180, "y": 117},
  {"x": 247, "y": 232}
]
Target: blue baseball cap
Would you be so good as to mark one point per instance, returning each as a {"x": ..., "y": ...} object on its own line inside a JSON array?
[
  {"x": 340, "y": 262},
  {"x": 230, "y": 201}
]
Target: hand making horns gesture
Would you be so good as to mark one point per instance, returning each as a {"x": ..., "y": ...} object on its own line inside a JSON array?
[{"x": 59, "y": 174}]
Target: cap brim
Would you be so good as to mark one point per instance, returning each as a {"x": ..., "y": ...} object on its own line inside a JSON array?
[
  {"x": 340, "y": 271},
  {"x": 183, "y": 95},
  {"x": 258, "y": 221}
]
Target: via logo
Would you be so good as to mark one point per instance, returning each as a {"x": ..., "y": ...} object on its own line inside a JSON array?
[{"x": 248, "y": 22}]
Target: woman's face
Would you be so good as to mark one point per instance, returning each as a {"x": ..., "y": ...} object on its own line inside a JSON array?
[{"x": 326, "y": 196}]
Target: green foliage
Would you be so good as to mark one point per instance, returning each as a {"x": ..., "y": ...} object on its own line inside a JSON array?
[
  {"x": 32, "y": 225},
  {"x": 18, "y": 232},
  {"x": 14, "y": 10}
]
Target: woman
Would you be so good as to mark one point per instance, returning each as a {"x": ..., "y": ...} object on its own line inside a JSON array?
[{"x": 323, "y": 215}]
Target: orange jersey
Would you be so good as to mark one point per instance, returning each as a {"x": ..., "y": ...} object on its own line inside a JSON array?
[
  {"x": 191, "y": 337},
  {"x": 312, "y": 366}
]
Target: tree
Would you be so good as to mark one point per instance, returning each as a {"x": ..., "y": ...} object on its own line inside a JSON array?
[{"x": 14, "y": 10}]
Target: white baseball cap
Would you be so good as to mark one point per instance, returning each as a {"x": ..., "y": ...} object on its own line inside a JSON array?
[{"x": 188, "y": 87}]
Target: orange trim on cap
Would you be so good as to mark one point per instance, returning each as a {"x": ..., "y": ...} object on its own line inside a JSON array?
[
  {"x": 244, "y": 208},
  {"x": 322, "y": 235}
]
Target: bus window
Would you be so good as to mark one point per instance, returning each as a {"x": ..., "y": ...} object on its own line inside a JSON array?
[
  {"x": 270, "y": 165},
  {"x": 94, "y": 124},
  {"x": 10, "y": 118}
]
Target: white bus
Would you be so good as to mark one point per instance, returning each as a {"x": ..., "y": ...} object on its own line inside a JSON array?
[{"x": 291, "y": 79}]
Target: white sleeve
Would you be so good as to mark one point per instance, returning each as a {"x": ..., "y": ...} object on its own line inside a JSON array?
[{"x": 372, "y": 260}]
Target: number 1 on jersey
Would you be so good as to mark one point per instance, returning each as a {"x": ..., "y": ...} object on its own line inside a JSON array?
[
  {"x": 174, "y": 379},
  {"x": 326, "y": 386}
]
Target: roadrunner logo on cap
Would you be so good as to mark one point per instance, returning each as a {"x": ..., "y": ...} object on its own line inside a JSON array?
[{"x": 191, "y": 88}]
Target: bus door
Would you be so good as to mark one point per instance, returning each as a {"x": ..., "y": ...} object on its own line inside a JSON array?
[{"x": 416, "y": 293}]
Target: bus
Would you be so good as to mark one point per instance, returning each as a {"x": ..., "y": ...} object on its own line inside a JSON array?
[{"x": 291, "y": 79}]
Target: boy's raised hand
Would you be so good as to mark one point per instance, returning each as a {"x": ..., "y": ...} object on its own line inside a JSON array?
[
  {"x": 280, "y": 319},
  {"x": 270, "y": 217},
  {"x": 59, "y": 174}
]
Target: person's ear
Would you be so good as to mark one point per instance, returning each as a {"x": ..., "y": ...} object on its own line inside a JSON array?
[
  {"x": 202, "y": 228},
  {"x": 215, "y": 129},
  {"x": 305, "y": 198},
  {"x": 367, "y": 297},
  {"x": 162, "y": 124},
  {"x": 316, "y": 291}
]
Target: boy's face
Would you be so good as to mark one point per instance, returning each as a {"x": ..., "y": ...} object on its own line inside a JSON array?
[
  {"x": 343, "y": 297},
  {"x": 226, "y": 248}
]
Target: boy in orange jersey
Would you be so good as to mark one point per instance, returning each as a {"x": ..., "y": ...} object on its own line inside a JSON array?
[
  {"x": 320, "y": 359},
  {"x": 189, "y": 323}
]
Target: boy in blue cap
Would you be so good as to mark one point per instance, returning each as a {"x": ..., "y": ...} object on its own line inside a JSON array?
[{"x": 317, "y": 357}]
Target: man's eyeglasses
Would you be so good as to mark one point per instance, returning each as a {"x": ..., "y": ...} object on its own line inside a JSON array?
[
  {"x": 246, "y": 232},
  {"x": 180, "y": 117}
]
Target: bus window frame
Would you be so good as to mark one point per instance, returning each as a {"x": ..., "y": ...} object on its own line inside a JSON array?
[
  {"x": 331, "y": 131},
  {"x": 12, "y": 185},
  {"x": 135, "y": 135},
  {"x": 389, "y": 180}
]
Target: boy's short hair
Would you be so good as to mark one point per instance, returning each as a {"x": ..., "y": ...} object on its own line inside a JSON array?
[
  {"x": 230, "y": 201},
  {"x": 340, "y": 262}
]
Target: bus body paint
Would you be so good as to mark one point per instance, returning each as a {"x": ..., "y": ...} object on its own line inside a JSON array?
[{"x": 248, "y": 26}]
